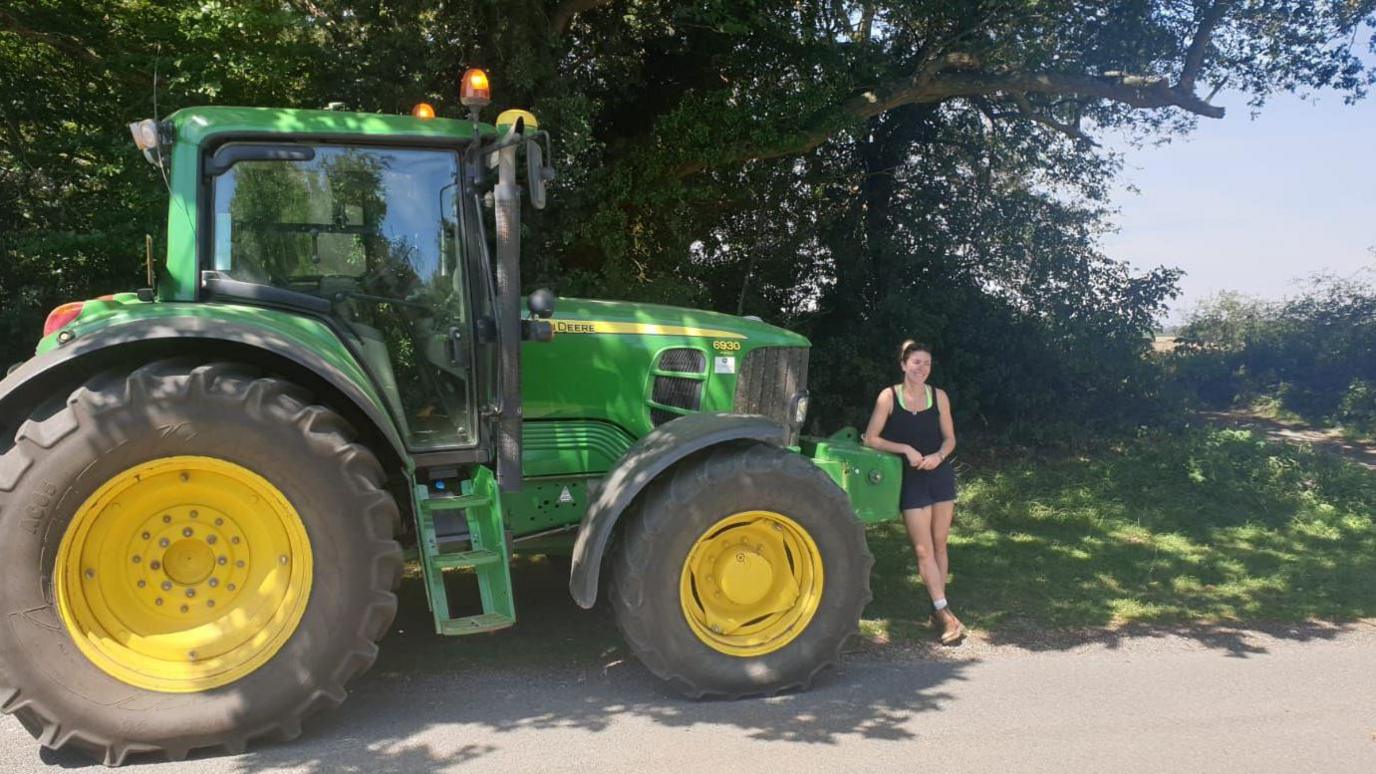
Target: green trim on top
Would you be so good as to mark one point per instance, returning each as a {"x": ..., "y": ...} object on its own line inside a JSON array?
[{"x": 931, "y": 398}]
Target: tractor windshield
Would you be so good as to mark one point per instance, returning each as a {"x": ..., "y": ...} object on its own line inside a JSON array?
[{"x": 376, "y": 231}]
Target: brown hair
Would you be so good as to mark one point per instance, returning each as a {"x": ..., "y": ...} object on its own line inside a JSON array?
[{"x": 908, "y": 347}]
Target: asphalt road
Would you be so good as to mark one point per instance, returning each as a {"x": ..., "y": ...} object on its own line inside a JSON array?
[{"x": 1218, "y": 700}]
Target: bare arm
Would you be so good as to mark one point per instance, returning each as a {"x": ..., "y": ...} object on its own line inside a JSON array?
[
  {"x": 948, "y": 433},
  {"x": 883, "y": 406}
]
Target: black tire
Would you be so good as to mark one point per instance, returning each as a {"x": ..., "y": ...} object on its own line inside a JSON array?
[
  {"x": 64, "y": 452},
  {"x": 676, "y": 510}
]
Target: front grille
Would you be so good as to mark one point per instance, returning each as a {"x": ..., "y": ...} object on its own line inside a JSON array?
[
  {"x": 659, "y": 416},
  {"x": 768, "y": 380},
  {"x": 684, "y": 361},
  {"x": 676, "y": 391}
]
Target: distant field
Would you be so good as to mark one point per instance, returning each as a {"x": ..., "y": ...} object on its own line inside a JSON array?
[{"x": 1164, "y": 343}]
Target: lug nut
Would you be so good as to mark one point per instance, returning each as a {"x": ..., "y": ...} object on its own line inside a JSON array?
[
  {"x": 185, "y": 608},
  {"x": 282, "y": 559},
  {"x": 210, "y": 603},
  {"x": 137, "y": 559},
  {"x": 194, "y": 514},
  {"x": 166, "y": 519},
  {"x": 142, "y": 583},
  {"x": 214, "y": 582},
  {"x": 219, "y": 522},
  {"x": 234, "y": 540},
  {"x": 239, "y": 563},
  {"x": 188, "y": 532},
  {"x": 211, "y": 539},
  {"x": 185, "y": 478},
  {"x": 222, "y": 560},
  {"x": 190, "y": 593},
  {"x": 155, "y": 564},
  {"x": 146, "y": 536},
  {"x": 167, "y": 585},
  {"x": 90, "y": 573},
  {"x": 164, "y": 542},
  {"x": 229, "y": 586},
  {"x": 158, "y": 601}
]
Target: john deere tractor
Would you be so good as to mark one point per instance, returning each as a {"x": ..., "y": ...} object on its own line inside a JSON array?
[{"x": 206, "y": 485}]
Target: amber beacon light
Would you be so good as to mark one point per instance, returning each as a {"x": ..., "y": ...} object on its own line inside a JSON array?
[{"x": 474, "y": 90}]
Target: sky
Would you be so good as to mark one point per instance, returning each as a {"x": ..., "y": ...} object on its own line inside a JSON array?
[{"x": 1253, "y": 205}]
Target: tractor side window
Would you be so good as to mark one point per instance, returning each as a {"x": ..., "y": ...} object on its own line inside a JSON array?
[{"x": 377, "y": 232}]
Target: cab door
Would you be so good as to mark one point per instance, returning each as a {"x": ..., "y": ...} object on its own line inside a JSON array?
[{"x": 377, "y": 232}]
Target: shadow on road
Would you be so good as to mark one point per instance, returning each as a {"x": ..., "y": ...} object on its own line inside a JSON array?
[{"x": 438, "y": 702}]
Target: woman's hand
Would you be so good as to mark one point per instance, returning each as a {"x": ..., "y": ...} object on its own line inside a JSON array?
[
  {"x": 931, "y": 461},
  {"x": 915, "y": 458}
]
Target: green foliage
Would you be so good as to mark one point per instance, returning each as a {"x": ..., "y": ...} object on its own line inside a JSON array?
[
  {"x": 715, "y": 154},
  {"x": 1312, "y": 354},
  {"x": 1204, "y": 525}
]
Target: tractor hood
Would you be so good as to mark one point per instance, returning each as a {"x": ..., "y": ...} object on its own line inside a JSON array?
[{"x": 636, "y": 366}]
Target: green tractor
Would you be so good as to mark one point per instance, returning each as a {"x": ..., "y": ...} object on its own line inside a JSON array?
[{"x": 206, "y": 485}]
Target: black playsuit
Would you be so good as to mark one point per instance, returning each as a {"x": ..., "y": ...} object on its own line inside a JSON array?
[{"x": 922, "y": 431}]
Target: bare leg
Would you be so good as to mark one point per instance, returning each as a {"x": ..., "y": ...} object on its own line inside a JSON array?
[
  {"x": 942, "y": 514},
  {"x": 919, "y": 524}
]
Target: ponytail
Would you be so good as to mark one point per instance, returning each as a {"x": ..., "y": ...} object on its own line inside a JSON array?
[{"x": 910, "y": 346}]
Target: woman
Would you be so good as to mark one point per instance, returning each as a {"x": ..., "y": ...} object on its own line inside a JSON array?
[{"x": 913, "y": 419}]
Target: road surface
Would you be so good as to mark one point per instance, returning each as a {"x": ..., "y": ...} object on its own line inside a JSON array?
[{"x": 1212, "y": 699}]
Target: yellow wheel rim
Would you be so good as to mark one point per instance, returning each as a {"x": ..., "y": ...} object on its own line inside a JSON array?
[
  {"x": 183, "y": 574},
  {"x": 751, "y": 583}
]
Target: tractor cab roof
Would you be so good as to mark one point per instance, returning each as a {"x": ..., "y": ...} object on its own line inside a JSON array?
[{"x": 197, "y": 124}]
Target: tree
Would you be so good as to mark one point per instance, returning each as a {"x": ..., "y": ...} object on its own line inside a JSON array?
[{"x": 864, "y": 171}]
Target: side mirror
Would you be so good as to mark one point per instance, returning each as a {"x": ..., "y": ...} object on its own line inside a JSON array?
[
  {"x": 537, "y": 174},
  {"x": 541, "y": 304}
]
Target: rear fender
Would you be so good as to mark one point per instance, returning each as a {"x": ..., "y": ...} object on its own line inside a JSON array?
[{"x": 296, "y": 357}]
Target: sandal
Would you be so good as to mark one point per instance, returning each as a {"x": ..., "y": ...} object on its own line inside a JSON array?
[{"x": 952, "y": 630}]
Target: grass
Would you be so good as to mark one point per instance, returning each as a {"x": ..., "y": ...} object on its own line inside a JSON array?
[
  {"x": 1202, "y": 527},
  {"x": 1205, "y": 526}
]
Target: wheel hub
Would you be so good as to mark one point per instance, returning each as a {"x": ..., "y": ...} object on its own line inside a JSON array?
[
  {"x": 751, "y": 583},
  {"x": 188, "y": 562},
  {"x": 746, "y": 576},
  {"x": 183, "y": 574}
]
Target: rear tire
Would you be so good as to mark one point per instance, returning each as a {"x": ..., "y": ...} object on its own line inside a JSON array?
[
  {"x": 66, "y": 458},
  {"x": 727, "y": 525}
]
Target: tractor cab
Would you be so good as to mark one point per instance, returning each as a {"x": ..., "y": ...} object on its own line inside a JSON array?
[{"x": 401, "y": 233}]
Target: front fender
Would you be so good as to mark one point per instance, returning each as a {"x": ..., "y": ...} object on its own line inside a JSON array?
[
  {"x": 643, "y": 462},
  {"x": 292, "y": 344}
]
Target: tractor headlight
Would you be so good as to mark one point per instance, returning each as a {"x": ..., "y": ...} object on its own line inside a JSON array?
[{"x": 799, "y": 410}]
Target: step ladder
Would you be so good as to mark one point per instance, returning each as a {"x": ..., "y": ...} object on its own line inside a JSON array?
[{"x": 488, "y": 555}]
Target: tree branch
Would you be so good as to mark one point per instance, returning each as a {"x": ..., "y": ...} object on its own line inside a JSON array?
[
  {"x": 562, "y": 16},
  {"x": 66, "y": 43},
  {"x": 1137, "y": 91},
  {"x": 1070, "y": 130},
  {"x": 866, "y": 24},
  {"x": 1194, "y": 56},
  {"x": 315, "y": 11}
]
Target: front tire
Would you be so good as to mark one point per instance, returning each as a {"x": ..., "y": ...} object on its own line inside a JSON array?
[
  {"x": 742, "y": 573},
  {"x": 196, "y": 557}
]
